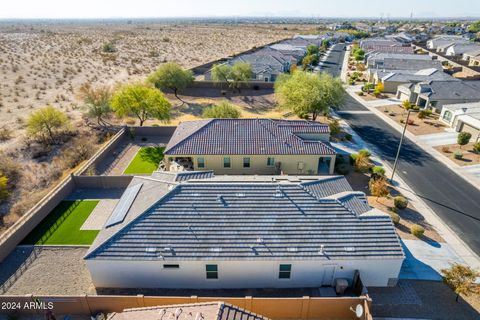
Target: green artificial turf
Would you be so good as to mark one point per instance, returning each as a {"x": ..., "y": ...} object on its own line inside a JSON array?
[
  {"x": 62, "y": 225},
  {"x": 146, "y": 161}
]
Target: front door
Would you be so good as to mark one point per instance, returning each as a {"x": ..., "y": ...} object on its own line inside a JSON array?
[{"x": 328, "y": 275}]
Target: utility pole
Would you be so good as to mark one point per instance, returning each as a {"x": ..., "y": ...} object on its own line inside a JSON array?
[{"x": 400, "y": 146}]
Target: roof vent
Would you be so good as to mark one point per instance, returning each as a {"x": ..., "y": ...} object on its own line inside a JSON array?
[
  {"x": 322, "y": 250},
  {"x": 278, "y": 193},
  {"x": 196, "y": 194},
  {"x": 350, "y": 249},
  {"x": 240, "y": 195},
  {"x": 167, "y": 249},
  {"x": 220, "y": 198},
  {"x": 260, "y": 240},
  {"x": 150, "y": 249},
  {"x": 292, "y": 249},
  {"x": 216, "y": 249}
]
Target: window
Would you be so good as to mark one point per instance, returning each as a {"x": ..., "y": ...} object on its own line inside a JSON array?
[
  {"x": 284, "y": 271},
  {"x": 171, "y": 266},
  {"x": 201, "y": 162},
  {"x": 212, "y": 271},
  {"x": 447, "y": 116},
  {"x": 226, "y": 162},
  {"x": 270, "y": 162},
  {"x": 246, "y": 162}
]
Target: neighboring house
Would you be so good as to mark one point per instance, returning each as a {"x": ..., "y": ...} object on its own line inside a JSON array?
[
  {"x": 192, "y": 311},
  {"x": 463, "y": 117},
  {"x": 251, "y": 146},
  {"x": 369, "y": 43},
  {"x": 297, "y": 52},
  {"x": 407, "y": 64},
  {"x": 402, "y": 37},
  {"x": 460, "y": 49},
  {"x": 377, "y": 59},
  {"x": 445, "y": 40},
  {"x": 389, "y": 49},
  {"x": 228, "y": 232},
  {"x": 435, "y": 94},
  {"x": 473, "y": 57},
  {"x": 391, "y": 79}
]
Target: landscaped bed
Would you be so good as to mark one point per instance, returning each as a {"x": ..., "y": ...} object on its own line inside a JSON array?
[
  {"x": 146, "y": 161},
  {"x": 418, "y": 126},
  {"x": 469, "y": 157},
  {"x": 62, "y": 225}
]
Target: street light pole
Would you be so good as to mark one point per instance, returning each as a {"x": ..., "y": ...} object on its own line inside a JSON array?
[{"x": 400, "y": 146}]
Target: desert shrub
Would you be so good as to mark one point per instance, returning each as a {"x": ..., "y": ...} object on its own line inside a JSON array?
[
  {"x": 378, "y": 187},
  {"x": 360, "y": 93},
  {"x": 378, "y": 170},
  {"x": 223, "y": 110},
  {"x": 109, "y": 48},
  {"x": 362, "y": 163},
  {"x": 74, "y": 155},
  {"x": 400, "y": 202},
  {"x": 9, "y": 168},
  {"x": 394, "y": 209},
  {"x": 365, "y": 152},
  {"x": 461, "y": 279},
  {"x": 348, "y": 137},
  {"x": 445, "y": 149},
  {"x": 342, "y": 168},
  {"x": 334, "y": 127},
  {"x": 476, "y": 147},
  {"x": 5, "y": 134},
  {"x": 417, "y": 230},
  {"x": 463, "y": 138},
  {"x": 422, "y": 114},
  {"x": 407, "y": 105},
  {"x": 410, "y": 122},
  {"x": 395, "y": 217},
  {"x": 458, "y": 155}
]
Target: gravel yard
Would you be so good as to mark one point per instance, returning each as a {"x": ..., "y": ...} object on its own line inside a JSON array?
[{"x": 56, "y": 271}]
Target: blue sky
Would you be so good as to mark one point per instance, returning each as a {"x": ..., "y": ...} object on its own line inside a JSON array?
[{"x": 208, "y": 8}]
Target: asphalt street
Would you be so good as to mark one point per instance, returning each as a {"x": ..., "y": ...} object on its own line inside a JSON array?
[{"x": 453, "y": 199}]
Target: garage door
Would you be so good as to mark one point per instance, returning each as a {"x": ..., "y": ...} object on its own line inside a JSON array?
[
  {"x": 402, "y": 96},
  {"x": 468, "y": 128}
]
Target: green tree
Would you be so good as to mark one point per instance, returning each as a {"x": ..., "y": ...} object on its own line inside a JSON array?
[
  {"x": 47, "y": 122},
  {"x": 309, "y": 60},
  {"x": 463, "y": 138},
  {"x": 171, "y": 76},
  {"x": 474, "y": 27},
  {"x": 141, "y": 101},
  {"x": 461, "y": 279},
  {"x": 223, "y": 110},
  {"x": 309, "y": 93},
  {"x": 312, "y": 49},
  {"x": 97, "y": 100},
  {"x": 232, "y": 75}
]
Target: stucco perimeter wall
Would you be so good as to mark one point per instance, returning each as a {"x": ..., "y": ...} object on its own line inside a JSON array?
[
  {"x": 208, "y": 84},
  {"x": 239, "y": 274},
  {"x": 274, "y": 308},
  {"x": 258, "y": 164}
]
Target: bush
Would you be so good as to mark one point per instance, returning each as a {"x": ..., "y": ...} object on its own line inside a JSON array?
[
  {"x": 394, "y": 209},
  {"x": 458, "y": 155},
  {"x": 109, "y": 48},
  {"x": 353, "y": 158},
  {"x": 223, "y": 110},
  {"x": 463, "y": 138},
  {"x": 5, "y": 134},
  {"x": 378, "y": 170},
  {"x": 362, "y": 163},
  {"x": 365, "y": 152},
  {"x": 422, "y": 114},
  {"x": 417, "y": 230},
  {"x": 476, "y": 147},
  {"x": 360, "y": 93},
  {"x": 349, "y": 137},
  {"x": 411, "y": 122},
  {"x": 400, "y": 202},
  {"x": 445, "y": 149},
  {"x": 378, "y": 187},
  {"x": 395, "y": 217},
  {"x": 334, "y": 127},
  {"x": 4, "y": 192}
]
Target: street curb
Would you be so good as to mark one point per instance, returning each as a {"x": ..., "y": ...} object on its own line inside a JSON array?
[{"x": 472, "y": 180}]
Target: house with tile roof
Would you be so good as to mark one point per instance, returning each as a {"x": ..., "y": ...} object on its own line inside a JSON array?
[
  {"x": 232, "y": 232},
  {"x": 463, "y": 117},
  {"x": 193, "y": 311},
  {"x": 251, "y": 146},
  {"x": 436, "y": 93}
]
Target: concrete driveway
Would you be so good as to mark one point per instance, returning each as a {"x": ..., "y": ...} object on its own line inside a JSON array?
[
  {"x": 425, "y": 259},
  {"x": 438, "y": 139}
]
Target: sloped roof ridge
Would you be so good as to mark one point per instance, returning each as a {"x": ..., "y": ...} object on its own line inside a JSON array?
[{"x": 186, "y": 136}]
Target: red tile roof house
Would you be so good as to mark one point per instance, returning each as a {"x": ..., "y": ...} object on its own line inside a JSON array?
[{"x": 251, "y": 146}]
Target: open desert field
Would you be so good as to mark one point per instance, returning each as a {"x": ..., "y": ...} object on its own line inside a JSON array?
[{"x": 45, "y": 64}]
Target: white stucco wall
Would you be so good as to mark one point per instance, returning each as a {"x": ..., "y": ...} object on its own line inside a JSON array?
[{"x": 238, "y": 274}]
